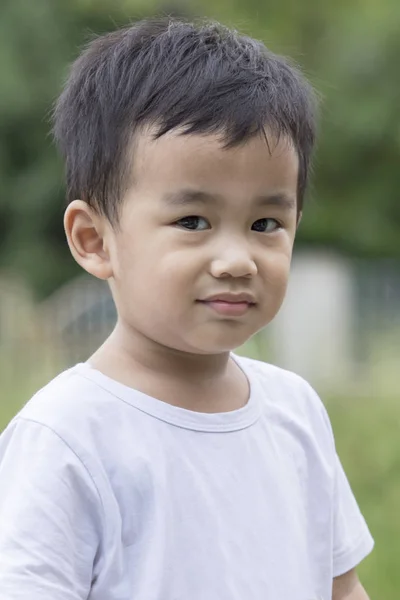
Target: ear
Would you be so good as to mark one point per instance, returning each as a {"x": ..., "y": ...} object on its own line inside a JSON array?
[
  {"x": 299, "y": 217},
  {"x": 86, "y": 233}
]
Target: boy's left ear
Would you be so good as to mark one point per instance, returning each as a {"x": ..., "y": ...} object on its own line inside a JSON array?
[{"x": 299, "y": 217}]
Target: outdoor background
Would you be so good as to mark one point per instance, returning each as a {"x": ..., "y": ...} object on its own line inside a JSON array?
[{"x": 340, "y": 325}]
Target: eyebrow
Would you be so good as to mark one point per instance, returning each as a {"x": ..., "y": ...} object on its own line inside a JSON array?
[{"x": 189, "y": 197}]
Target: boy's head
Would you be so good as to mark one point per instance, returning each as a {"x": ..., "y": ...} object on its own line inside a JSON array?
[{"x": 189, "y": 150}]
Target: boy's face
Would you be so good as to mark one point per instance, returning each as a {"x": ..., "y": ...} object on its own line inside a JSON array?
[{"x": 201, "y": 259}]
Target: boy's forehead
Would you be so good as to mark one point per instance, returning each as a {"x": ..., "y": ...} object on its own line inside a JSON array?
[
  {"x": 175, "y": 141},
  {"x": 207, "y": 155}
]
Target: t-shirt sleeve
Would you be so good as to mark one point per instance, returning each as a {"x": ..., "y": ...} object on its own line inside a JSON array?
[
  {"x": 352, "y": 541},
  {"x": 50, "y": 517}
]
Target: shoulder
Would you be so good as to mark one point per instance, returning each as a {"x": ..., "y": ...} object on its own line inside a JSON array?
[
  {"x": 71, "y": 406},
  {"x": 282, "y": 384},
  {"x": 59, "y": 397},
  {"x": 290, "y": 399},
  {"x": 69, "y": 418}
]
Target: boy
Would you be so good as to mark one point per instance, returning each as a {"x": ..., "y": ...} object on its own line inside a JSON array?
[{"x": 167, "y": 467}]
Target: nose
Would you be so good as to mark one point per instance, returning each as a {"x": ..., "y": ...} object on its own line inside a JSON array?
[{"x": 234, "y": 261}]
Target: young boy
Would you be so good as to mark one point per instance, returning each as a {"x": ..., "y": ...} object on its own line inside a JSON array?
[{"x": 166, "y": 467}]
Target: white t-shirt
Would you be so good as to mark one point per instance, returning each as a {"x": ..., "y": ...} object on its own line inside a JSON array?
[{"x": 109, "y": 494}]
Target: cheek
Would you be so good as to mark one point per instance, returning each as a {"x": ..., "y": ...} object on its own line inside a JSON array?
[
  {"x": 156, "y": 280},
  {"x": 276, "y": 267},
  {"x": 275, "y": 279}
]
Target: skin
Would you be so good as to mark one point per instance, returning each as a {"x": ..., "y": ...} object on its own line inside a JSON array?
[
  {"x": 167, "y": 343},
  {"x": 348, "y": 587},
  {"x": 192, "y": 225}
]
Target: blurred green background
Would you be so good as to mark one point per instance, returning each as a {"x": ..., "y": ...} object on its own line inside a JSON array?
[{"x": 50, "y": 316}]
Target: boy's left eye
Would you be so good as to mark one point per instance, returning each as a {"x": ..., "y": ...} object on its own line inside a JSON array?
[{"x": 266, "y": 225}]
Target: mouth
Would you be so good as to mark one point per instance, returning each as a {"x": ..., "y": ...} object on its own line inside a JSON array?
[{"x": 233, "y": 305}]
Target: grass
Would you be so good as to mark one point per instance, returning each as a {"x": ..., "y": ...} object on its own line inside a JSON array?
[{"x": 368, "y": 442}]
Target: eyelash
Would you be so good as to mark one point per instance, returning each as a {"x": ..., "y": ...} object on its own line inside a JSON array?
[
  {"x": 188, "y": 218},
  {"x": 278, "y": 225},
  {"x": 180, "y": 222}
]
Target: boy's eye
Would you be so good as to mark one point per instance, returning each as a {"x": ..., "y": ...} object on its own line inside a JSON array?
[
  {"x": 193, "y": 223},
  {"x": 266, "y": 225}
]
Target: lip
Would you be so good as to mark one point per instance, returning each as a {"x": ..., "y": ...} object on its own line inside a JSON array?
[
  {"x": 231, "y": 298},
  {"x": 229, "y": 304}
]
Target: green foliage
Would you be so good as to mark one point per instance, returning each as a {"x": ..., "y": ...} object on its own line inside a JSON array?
[
  {"x": 348, "y": 49},
  {"x": 366, "y": 433}
]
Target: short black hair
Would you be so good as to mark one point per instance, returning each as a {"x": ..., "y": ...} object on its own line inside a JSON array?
[{"x": 171, "y": 73}]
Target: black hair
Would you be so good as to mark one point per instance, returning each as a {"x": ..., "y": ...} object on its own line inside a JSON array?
[{"x": 170, "y": 73}]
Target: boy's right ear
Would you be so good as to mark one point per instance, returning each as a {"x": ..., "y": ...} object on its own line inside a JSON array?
[{"x": 86, "y": 233}]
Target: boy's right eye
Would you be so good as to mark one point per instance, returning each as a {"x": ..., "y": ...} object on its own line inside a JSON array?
[{"x": 193, "y": 223}]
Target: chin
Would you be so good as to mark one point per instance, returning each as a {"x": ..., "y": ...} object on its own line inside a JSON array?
[{"x": 222, "y": 343}]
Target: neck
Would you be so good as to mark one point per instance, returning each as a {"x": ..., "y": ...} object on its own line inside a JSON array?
[
  {"x": 199, "y": 382},
  {"x": 129, "y": 351}
]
